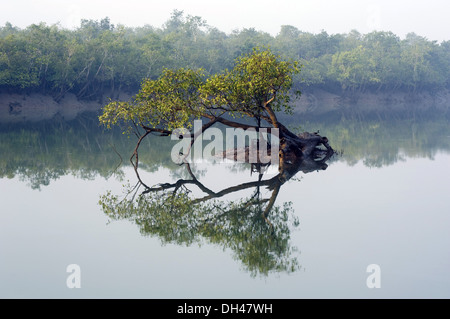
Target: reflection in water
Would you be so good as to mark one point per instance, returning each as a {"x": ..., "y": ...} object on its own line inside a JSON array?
[
  {"x": 41, "y": 152},
  {"x": 187, "y": 211},
  {"x": 398, "y": 212},
  {"x": 385, "y": 139}
]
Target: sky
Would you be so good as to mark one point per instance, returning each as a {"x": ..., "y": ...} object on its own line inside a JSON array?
[{"x": 430, "y": 19}]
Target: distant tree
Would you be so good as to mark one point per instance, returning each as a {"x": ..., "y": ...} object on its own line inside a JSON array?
[
  {"x": 354, "y": 69},
  {"x": 385, "y": 52}
]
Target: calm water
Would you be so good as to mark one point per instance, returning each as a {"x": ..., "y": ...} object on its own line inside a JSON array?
[{"x": 384, "y": 201}]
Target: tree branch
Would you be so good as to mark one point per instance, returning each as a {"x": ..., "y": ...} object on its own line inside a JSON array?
[
  {"x": 271, "y": 113},
  {"x": 136, "y": 156},
  {"x": 158, "y": 130}
]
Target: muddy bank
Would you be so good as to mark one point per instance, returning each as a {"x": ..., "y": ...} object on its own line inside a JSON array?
[
  {"x": 317, "y": 102},
  {"x": 16, "y": 108}
]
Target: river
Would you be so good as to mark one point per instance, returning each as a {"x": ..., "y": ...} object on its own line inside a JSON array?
[{"x": 373, "y": 224}]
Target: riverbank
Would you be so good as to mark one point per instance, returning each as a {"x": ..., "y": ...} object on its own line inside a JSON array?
[
  {"x": 17, "y": 108},
  {"x": 318, "y": 102},
  {"x": 35, "y": 107}
]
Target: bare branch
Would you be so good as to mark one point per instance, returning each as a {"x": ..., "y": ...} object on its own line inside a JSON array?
[{"x": 136, "y": 156}]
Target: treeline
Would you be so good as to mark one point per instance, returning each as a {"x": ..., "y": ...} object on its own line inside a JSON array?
[{"x": 100, "y": 58}]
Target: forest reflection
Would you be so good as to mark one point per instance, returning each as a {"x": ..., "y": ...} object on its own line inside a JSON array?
[
  {"x": 38, "y": 153},
  {"x": 182, "y": 209}
]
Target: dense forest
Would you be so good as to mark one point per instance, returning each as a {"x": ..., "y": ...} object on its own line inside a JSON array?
[{"x": 100, "y": 58}]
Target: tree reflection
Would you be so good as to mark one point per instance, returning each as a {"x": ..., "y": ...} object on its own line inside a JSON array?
[
  {"x": 40, "y": 153},
  {"x": 187, "y": 211}
]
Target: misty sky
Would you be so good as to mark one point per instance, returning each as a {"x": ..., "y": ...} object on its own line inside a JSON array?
[{"x": 430, "y": 19}]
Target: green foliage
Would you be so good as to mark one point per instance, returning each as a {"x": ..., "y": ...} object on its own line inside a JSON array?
[
  {"x": 178, "y": 96},
  {"x": 100, "y": 58},
  {"x": 260, "y": 76},
  {"x": 354, "y": 68},
  {"x": 168, "y": 102}
]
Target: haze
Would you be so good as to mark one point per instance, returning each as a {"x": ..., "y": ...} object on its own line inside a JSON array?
[{"x": 428, "y": 19}]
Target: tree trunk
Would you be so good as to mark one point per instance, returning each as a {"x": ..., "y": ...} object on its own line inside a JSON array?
[{"x": 306, "y": 150}]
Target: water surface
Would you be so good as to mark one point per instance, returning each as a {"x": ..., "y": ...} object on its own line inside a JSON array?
[{"x": 383, "y": 201}]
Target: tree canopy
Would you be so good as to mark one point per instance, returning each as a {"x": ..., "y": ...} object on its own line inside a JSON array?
[
  {"x": 103, "y": 59},
  {"x": 257, "y": 86}
]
